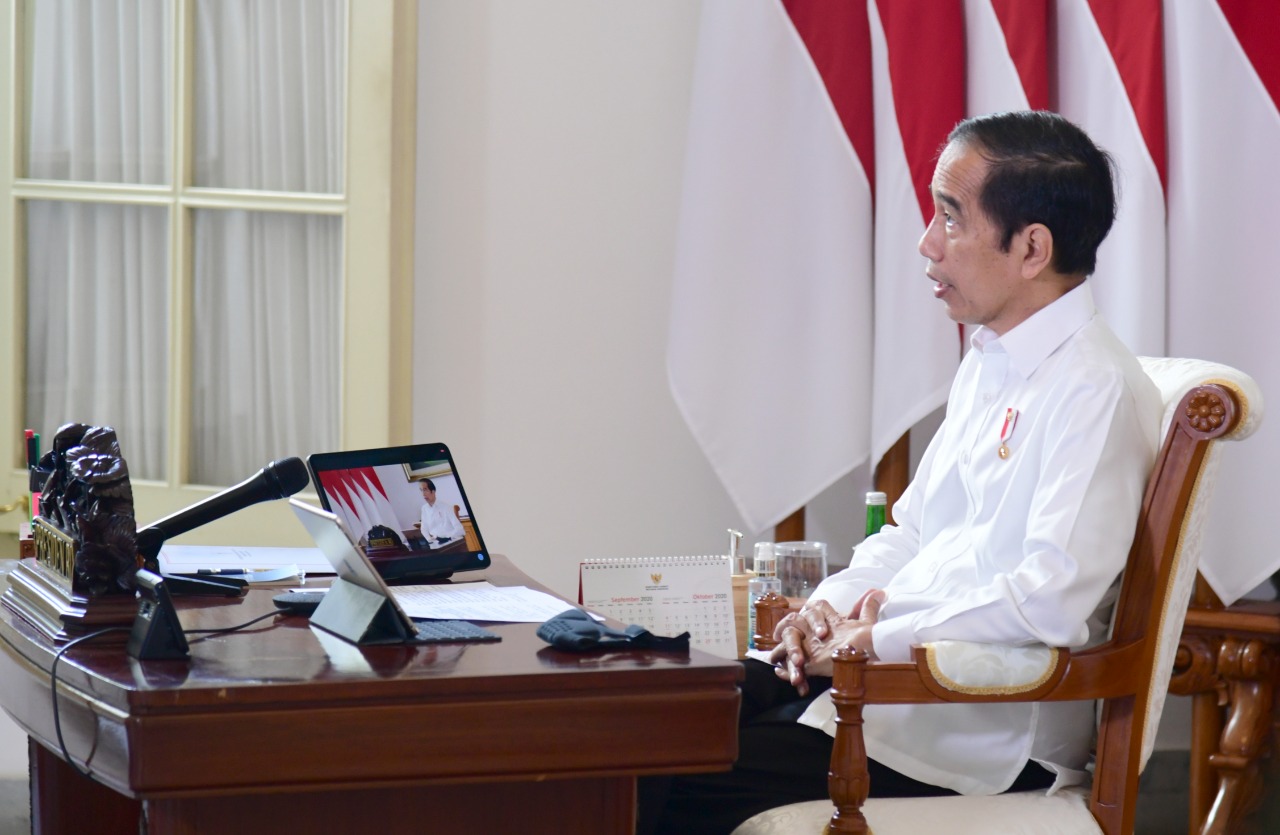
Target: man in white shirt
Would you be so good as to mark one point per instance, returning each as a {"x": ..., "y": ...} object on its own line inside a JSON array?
[
  {"x": 1021, "y": 513},
  {"x": 439, "y": 524}
]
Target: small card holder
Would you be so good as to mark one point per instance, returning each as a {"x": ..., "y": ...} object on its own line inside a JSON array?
[
  {"x": 359, "y": 615},
  {"x": 156, "y": 631}
]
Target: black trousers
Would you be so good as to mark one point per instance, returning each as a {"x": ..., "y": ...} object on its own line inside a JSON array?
[{"x": 779, "y": 762}]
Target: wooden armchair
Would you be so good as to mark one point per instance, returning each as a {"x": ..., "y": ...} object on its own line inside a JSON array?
[
  {"x": 468, "y": 529},
  {"x": 1204, "y": 403}
]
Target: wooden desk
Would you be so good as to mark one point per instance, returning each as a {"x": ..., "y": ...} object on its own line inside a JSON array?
[{"x": 278, "y": 729}]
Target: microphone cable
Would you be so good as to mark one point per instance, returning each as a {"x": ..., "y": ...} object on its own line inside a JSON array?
[{"x": 53, "y": 672}]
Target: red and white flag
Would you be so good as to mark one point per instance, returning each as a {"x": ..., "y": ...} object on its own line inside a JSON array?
[
  {"x": 360, "y": 499},
  {"x": 918, "y": 62},
  {"x": 793, "y": 360},
  {"x": 1007, "y": 59},
  {"x": 1224, "y": 175},
  {"x": 1111, "y": 83},
  {"x": 769, "y": 353}
]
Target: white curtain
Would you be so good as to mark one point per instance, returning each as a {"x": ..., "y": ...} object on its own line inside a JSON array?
[
  {"x": 97, "y": 274},
  {"x": 266, "y": 348},
  {"x": 98, "y": 323},
  {"x": 265, "y": 317},
  {"x": 267, "y": 286}
]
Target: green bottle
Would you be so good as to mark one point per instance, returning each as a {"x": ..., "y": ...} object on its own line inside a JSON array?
[{"x": 876, "y": 502}]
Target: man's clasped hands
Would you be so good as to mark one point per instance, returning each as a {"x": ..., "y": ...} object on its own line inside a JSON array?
[{"x": 808, "y": 638}]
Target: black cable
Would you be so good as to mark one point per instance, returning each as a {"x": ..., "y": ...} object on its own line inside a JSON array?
[
  {"x": 53, "y": 670},
  {"x": 53, "y": 686},
  {"x": 209, "y": 633}
]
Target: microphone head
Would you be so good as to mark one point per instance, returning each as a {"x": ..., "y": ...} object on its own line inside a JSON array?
[{"x": 286, "y": 476}]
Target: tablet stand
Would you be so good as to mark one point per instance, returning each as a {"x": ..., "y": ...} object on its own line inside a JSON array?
[{"x": 359, "y": 615}]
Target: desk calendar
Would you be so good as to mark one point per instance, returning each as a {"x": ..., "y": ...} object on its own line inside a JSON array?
[{"x": 667, "y": 596}]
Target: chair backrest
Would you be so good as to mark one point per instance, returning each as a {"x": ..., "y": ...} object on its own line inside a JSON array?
[{"x": 1204, "y": 403}]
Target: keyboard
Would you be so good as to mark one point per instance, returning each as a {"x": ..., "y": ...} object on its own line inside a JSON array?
[{"x": 452, "y": 632}]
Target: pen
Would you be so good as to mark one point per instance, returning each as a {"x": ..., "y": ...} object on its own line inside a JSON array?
[
  {"x": 230, "y": 570},
  {"x": 33, "y": 459}
]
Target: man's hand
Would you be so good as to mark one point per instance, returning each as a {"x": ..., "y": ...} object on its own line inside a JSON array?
[{"x": 807, "y": 639}]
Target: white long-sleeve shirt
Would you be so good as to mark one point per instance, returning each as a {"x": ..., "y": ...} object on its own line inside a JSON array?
[
  {"x": 1016, "y": 550},
  {"x": 440, "y": 522}
]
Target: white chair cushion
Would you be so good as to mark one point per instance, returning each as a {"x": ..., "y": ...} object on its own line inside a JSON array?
[
  {"x": 1015, "y": 813},
  {"x": 1174, "y": 377},
  {"x": 995, "y": 669}
]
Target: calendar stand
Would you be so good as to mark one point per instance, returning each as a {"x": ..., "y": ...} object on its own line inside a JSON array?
[{"x": 667, "y": 596}]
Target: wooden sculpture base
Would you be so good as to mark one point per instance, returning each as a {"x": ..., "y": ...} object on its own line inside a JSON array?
[{"x": 46, "y": 601}]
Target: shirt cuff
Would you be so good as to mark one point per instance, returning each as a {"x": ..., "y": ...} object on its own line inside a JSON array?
[
  {"x": 841, "y": 596},
  {"x": 892, "y": 639}
]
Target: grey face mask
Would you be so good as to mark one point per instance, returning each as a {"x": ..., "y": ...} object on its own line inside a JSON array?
[{"x": 575, "y": 630}]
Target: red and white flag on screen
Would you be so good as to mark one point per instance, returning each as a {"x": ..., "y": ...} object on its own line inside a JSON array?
[
  {"x": 769, "y": 353},
  {"x": 359, "y": 498},
  {"x": 1224, "y": 127},
  {"x": 918, "y": 71},
  {"x": 1111, "y": 83}
]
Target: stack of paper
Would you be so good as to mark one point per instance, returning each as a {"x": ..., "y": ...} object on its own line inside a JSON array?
[{"x": 242, "y": 561}]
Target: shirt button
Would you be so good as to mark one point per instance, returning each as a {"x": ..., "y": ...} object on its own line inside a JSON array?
[
  {"x": 964, "y": 458},
  {"x": 986, "y": 398}
]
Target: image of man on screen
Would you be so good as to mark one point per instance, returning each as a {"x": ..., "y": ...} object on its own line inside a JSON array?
[{"x": 439, "y": 524}]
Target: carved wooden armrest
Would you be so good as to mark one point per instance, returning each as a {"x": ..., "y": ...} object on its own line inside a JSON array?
[
  {"x": 928, "y": 680},
  {"x": 939, "y": 673},
  {"x": 936, "y": 675}
]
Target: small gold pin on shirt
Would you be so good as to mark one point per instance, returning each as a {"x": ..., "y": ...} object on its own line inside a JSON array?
[{"x": 1006, "y": 432}]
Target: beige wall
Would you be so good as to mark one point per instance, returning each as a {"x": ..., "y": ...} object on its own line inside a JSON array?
[
  {"x": 550, "y": 146},
  {"x": 550, "y": 149}
]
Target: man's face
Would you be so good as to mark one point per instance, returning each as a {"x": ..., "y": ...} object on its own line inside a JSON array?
[
  {"x": 428, "y": 495},
  {"x": 979, "y": 284}
]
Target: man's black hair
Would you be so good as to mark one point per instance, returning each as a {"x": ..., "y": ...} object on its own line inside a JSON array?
[
  {"x": 1044, "y": 169},
  {"x": 431, "y": 485}
]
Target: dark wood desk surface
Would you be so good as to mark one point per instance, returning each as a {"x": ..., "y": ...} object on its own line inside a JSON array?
[{"x": 285, "y": 726}]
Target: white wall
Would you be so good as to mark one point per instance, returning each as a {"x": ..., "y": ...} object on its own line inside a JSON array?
[
  {"x": 550, "y": 150},
  {"x": 550, "y": 145}
]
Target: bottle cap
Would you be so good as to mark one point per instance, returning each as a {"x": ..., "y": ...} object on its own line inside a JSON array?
[
  {"x": 876, "y": 497},
  {"x": 765, "y": 561}
]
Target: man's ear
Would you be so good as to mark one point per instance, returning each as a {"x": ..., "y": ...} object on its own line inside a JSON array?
[{"x": 1037, "y": 249}]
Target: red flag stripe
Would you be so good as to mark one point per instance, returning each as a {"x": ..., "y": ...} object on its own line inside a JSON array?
[
  {"x": 926, "y": 68},
  {"x": 371, "y": 480},
  {"x": 341, "y": 484},
  {"x": 1026, "y": 32},
  {"x": 1257, "y": 29},
  {"x": 838, "y": 37},
  {"x": 1132, "y": 30},
  {"x": 335, "y": 487}
]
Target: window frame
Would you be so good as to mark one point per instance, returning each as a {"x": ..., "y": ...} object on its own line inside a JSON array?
[{"x": 377, "y": 255}]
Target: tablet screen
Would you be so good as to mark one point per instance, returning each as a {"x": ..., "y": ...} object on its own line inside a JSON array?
[{"x": 406, "y": 507}]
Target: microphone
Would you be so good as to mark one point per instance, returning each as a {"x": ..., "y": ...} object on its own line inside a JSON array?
[{"x": 275, "y": 481}]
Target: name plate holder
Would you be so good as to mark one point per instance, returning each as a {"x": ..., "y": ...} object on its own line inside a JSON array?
[
  {"x": 44, "y": 591},
  {"x": 359, "y": 615}
]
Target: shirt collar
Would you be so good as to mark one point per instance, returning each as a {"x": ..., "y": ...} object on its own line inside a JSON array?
[{"x": 1043, "y": 332}]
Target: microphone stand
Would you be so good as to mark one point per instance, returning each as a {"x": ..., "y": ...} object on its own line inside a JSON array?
[
  {"x": 276, "y": 480},
  {"x": 150, "y": 540}
]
